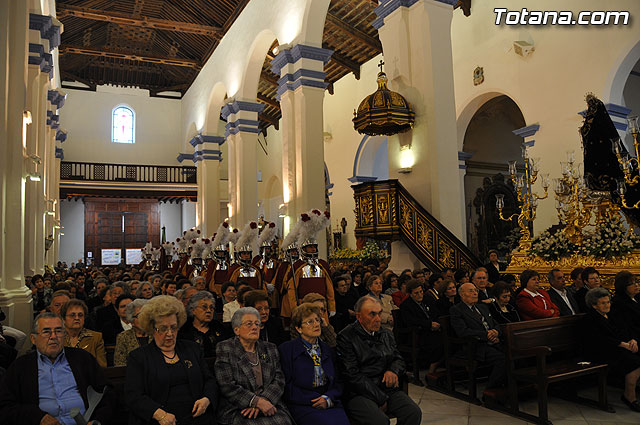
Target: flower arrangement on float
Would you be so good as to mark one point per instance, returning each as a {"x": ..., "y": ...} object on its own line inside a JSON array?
[{"x": 371, "y": 250}]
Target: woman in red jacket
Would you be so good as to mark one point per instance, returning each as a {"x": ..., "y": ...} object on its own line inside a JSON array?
[{"x": 533, "y": 302}]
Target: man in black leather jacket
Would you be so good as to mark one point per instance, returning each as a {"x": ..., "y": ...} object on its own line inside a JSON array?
[{"x": 371, "y": 366}]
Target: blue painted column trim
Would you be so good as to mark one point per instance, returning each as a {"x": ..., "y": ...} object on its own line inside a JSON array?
[
  {"x": 302, "y": 76},
  {"x": 57, "y": 98},
  {"x": 463, "y": 157},
  {"x": 184, "y": 156},
  {"x": 387, "y": 7},
  {"x": 236, "y": 125},
  {"x": 48, "y": 27},
  {"x": 60, "y": 153},
  {"x": 526, "y": 133},
  {"x": 61, "y": 135}
]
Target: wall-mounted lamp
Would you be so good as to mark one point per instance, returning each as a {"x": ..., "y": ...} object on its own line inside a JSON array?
[
  {"x": 51, "y": 212},
  {"x": 34, "y": 177},
  {"x": 281, "y": 47},
  {"x": 26, "y": 117},
  {"x": 407, "y": 159},
  {"x": 282, "y": 210}
]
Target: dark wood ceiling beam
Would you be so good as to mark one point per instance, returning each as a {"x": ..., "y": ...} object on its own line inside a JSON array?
[
  {"x": 344, "y": 61},
  {"x": 354, "y": 32},
  {"x": 274, "y": 121},
  {"x": 264, "y": 75},
  {"x": 268, "y": 101},
  {"x": 144, "y": 22},
  {"x": 188, "y": 63}
]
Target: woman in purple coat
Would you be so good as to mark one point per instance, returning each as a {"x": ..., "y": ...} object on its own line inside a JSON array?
[{"x": 312, "y": 391}]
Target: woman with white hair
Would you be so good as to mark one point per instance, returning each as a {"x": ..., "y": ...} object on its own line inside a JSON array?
[
  {"x": 251, "y": 379},
  {"x": 133, "y": 338},
  {"x": 201, "y": 327}
]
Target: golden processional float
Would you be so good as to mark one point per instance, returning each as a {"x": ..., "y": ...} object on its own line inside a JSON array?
[{"x": 598, "y": 206}]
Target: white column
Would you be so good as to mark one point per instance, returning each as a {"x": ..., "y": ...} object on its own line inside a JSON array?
[
  {"x": 242, "y": 134},
  {"x": 31, "y": 187},
  {"x": 15, "y": 297},
  {"x": 301, "y": 94},
  {"x": 416, "y": 40},
  {"x": 207, "y": 156}
]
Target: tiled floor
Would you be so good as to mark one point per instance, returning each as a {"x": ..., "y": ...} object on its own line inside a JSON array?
[{"x": 440, "y": 409}]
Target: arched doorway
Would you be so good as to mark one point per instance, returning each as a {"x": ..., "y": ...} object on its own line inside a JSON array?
[
  {"x": 372, "y": 160},
  {"x": 490, "y": 142}
]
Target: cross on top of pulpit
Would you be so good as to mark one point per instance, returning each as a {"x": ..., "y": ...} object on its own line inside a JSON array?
[{"x": 380, "y": 65}]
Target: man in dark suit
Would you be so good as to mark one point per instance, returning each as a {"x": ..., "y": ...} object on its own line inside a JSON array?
[
  {"x": 559, "y": 295},
  {"x": 371, "y": 368},
  {"x": 480, "y": 280},
  {"x": 42, "y": 387},
  {"x": 472, "y": 319},
  {"x": 494, "y": 267}
]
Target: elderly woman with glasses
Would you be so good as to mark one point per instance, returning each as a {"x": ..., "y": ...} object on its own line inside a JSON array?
[
  {"x": 168, "y": 381},
  {"x": 74, "y": 312},
  {"x": 133, "y": 338},
  {"x": 312, "y": 390},
  {"x": 249, "y": 373},
  {"x": 201, "y": 327}
]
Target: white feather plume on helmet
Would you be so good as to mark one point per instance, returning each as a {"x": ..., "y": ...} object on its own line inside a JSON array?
[
  {"x": 292, "y": 237},
  {"x": 248, "y": 240},
  {"x": 199, "y": 248},
  {"x": 222, "y": 235},
  {"x": 311, "y": 223},
  {"x": 168, "y": 248},
  {"x": 268, "y": 234},
  {"x": 233, "y": 236}
]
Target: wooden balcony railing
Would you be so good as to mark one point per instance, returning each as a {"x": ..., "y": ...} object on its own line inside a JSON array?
[{"x": 92, "y": 171}]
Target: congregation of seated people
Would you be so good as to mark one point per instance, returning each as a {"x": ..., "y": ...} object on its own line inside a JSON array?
[{"x": 198, "y": 357}]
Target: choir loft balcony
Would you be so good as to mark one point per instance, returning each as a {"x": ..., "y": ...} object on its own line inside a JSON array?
[{"x": 164, "y": 182}]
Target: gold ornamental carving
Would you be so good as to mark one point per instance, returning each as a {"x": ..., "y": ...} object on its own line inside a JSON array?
[
  {"x": 406, "y": 216},
  {"x": 446, "y": 254},
  {"x": 366, "y": 210},
  {"x": 425, "y": 236},
  {"x": 382, "y": 203}
]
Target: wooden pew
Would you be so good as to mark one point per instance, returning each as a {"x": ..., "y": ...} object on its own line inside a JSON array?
[
  {"x": 407, "y": 343},
  {"x": 539, "y": 339},
  {"x": 459, "y": 353}
]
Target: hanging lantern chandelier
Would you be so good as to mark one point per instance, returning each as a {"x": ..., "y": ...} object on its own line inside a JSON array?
[{"x": 383, "y": 112}]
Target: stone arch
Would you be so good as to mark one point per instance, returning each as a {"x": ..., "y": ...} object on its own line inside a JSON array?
[
  {"x": 614, "y": 87},
  {"x": 372, "y": 160},
  {"x": 255, "y": 60},
  {"x": 489, "y": 139},
  {"x": 312, "y": 27},
  {"x": 212, "y": 124},
  {"x": 470, "y": 107}
]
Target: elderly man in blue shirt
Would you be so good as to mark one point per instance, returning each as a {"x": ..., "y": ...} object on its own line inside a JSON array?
[{"x": 42, "y": 387}]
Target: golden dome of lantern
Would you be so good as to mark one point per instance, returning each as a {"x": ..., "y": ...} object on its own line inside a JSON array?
[{"x": 383, "y": 112}]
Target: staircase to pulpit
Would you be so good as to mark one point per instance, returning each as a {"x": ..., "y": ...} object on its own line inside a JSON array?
[{"x": 385, "y": 210}]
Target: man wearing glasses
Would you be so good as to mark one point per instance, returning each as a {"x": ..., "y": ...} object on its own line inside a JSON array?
[{"x": 42, "y": 387}]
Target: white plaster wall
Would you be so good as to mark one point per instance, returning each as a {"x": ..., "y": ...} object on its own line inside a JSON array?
[
  {"x": 171, "y": 220},
  {"x": 270, "y": 165},
  {"x": 549, "y": 86},
  {"x": 340, "y": 150},
  {"x": 72, "y": 221},
  {"x": 188, "y": 215},
  {"x": 86, "y": 116}
]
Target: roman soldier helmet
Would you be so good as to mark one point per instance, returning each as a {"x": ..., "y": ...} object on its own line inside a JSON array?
[
  {"x": 247, "y": 243},
  {"x": 311, "y": 223},
  {"x": 200, "y": 248},
  {"x": 220, "y": 244},
  {"x": 267, "y": 236},
  {"x": 290, "y": 243}
]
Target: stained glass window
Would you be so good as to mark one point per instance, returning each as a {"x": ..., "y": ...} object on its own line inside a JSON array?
[{"x": 123, "y": 125}]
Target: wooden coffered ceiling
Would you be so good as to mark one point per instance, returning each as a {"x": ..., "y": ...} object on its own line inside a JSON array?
[{"x": 161, "y": 45}]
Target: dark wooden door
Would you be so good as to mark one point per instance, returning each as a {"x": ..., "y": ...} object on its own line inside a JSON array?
[{"x": 120, "y": 224}]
